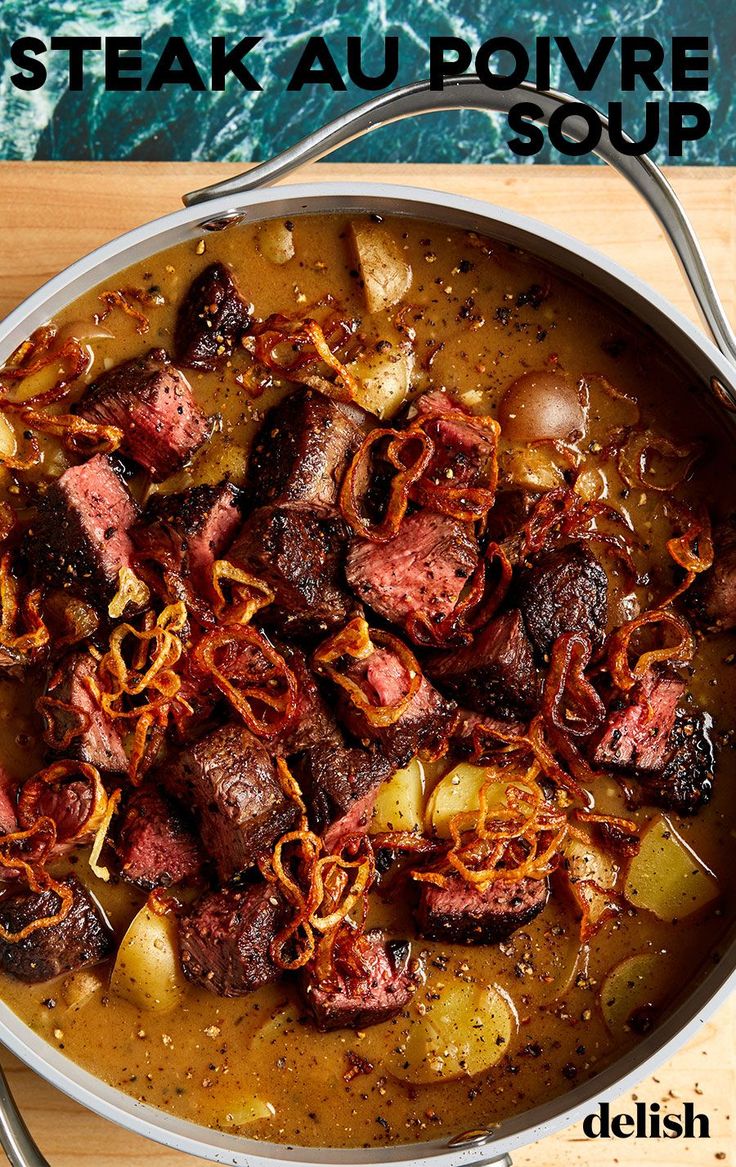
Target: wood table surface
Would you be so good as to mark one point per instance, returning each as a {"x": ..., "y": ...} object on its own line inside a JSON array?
[{"x": 52, "y": 213}]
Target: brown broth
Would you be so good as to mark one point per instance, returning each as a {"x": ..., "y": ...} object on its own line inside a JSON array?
[{"x": 209, "y": 1058}]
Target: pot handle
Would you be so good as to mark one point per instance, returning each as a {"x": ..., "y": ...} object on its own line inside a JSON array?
[
  {"x": 469, "y": 92},
  {"x": 15, "y": 1138}
]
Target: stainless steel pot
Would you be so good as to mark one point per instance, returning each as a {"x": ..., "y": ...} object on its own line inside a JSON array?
[{"x": 243, "y": 200}]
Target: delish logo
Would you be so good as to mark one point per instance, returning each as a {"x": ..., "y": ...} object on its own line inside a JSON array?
[{"x": 647, "y": 1123}]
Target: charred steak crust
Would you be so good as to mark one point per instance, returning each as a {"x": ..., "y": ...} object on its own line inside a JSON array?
[
  {"x": 81, "y": 540},
  {"x": 151, "y": 401},
  {"x": 685, "y": 783},
  {"x": 375, "y": 988},
  {"x": 711, "y": 601},
  {"x": 314, "y": 722},
  {"x": 495, "y": 673},
  {"x": 461, "y": 914},
  {"x": 298, "y": 550},
  {"x": 194, "y": 527},
  {"x": 230, "y": 782},
  {"x": 340, "y": 786},
  {"x": 564, "y": 591},
  {"x": 211, "y": 319},
  {"x": 82, "y": 938},
  {"x": 225, "y": 939},
  {"x": 302, "y": 450},
  {"x": 155, "y": 844}
]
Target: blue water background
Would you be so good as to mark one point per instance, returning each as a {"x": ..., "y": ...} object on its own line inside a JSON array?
[{"x": 237, "y": 125}]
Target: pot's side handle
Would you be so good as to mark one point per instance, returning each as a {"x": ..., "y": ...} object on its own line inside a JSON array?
[
  {"x": 468, "y": 92},
  {"x": 15, "y": 1138}
]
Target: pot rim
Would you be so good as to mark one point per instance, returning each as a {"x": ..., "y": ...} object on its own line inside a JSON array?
[{"x": 669, "y": 325}]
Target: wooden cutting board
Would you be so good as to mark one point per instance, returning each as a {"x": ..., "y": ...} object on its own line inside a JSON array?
[{"x": 52, "y": 213}]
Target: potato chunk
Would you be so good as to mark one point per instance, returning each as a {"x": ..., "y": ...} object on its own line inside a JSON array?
[
  {"x": 384, "y": 380},
  {"x": 147, "y": 972},
  {"x": 629, "y": 989},
  {"x": 276, "y": 241},
  {"x": 587, "y": 866},
  {"x": 666, "y": 877},
  {"x": 385, "y": 273},
  {"x": 459, "y": 793},
  {"x": 400, "y": 802},
  {"x": 464, "y": 1033}
]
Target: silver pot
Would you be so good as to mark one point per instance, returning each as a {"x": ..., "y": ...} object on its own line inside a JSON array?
[{"x": 243, "y": 200}]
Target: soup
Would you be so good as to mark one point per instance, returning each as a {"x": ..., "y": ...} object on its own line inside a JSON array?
[{"x": 367, "y": 631}]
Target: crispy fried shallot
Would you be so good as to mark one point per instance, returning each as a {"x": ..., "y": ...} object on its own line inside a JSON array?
[
  {"x": 76, "y": 818},
  {"x": 252, "y": 674},
  {"x": 357, "y": 642},
  {"x": 625, "y": 674},
  {"x": 408, "y": 454}
]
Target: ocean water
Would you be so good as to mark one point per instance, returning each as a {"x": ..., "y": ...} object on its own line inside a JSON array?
[{"x": 235, "y": 125}]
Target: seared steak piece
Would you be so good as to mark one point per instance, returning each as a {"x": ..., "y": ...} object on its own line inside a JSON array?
[
  {"x": 635, "y": 736},
  {"x": 155, "y": 845},
  {"x": 80, "y": 539},
  {"x": 493, "y": 674},
  {"x": 462, "y": 914},
  {"x": 302, "y": 450},
  {"x": 314, "y": 723},
  {"x": 152, "y": 403},
  {"x": 211, "y": 319},
  {"x": 509, "y": 513},
  {"x": 423, "y": 728},
  {"x": 230, "y": 782},
  {"x": 8, "y": 812},
  {"x": 686, "y": 782},
  {"x": 367, "y": 983},
  {"x": 189, "y": 530},
  {"x": 421, "y": 571},
  {"x": 711, "y": 601},
  {"x": 297, "y": 549},
  {"x": 96, "y": 738},
  {"x": 225, "y": 939},
  {"x": 81, "y": 939},
  {"x": 464, "y": 452},
  {"x": 340, "y": 786},
  {"x": 564, "y": 591}
]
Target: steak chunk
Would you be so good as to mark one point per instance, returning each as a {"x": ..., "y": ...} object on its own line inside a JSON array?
[
  {"x": 155, "y": 845},
  {"x": 230, "y": 782},
  {"x": 368, "y": 982},
  {"x": 211, "y": 319},
  {"x": 564, "y": 591},
  {"x": 423, "y": 727},
  {"x": 462, "y": 914},
  {"x": 421, "y": 571},
  {"x": 81, "y": 538},
  {"x": 298, "y": 550},
  {"x": 340, "y": 786},
  {"x": 152, "y": 403},
  {"x": 494, "y": 674},
  {"x": 225, "y": 939},
  {"x": 314, "y": 723},
  {"x": 189, "y": 530},
  {"x": 302, "y": 450},
  {"x": 76, "y": 724},
  {"x": 711, "y": 600},
  {"x": 8, "y": 809},
  {"x": 464, "y": 451},
  {"x": 635, "y": 736},
  {"x": 685, "y": 784},
  {"x": 82, "y": 938}
]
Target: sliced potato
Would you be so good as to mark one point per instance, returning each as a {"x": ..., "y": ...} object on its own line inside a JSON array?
[
  {"x": 8, "y": 441},
  {"x": 276, "y": 241},
  {"x": 384, "y": 380},
  {"x": 400, "y": 802},
  {"x": 459, "y": 793},
  {"x": 666, "y": 877},
  {"x": 249, "y": 1108},
  {"x": 629, "y": 987},
  {"x": 80, "y": 987},
  {"x": 147, "y": 971},
  {"x": 385, "y": 273},
  {"x": 464, "y": 1033},
  {"x": 531, "y": 467},
  {"x": 587, "y": 864}
]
